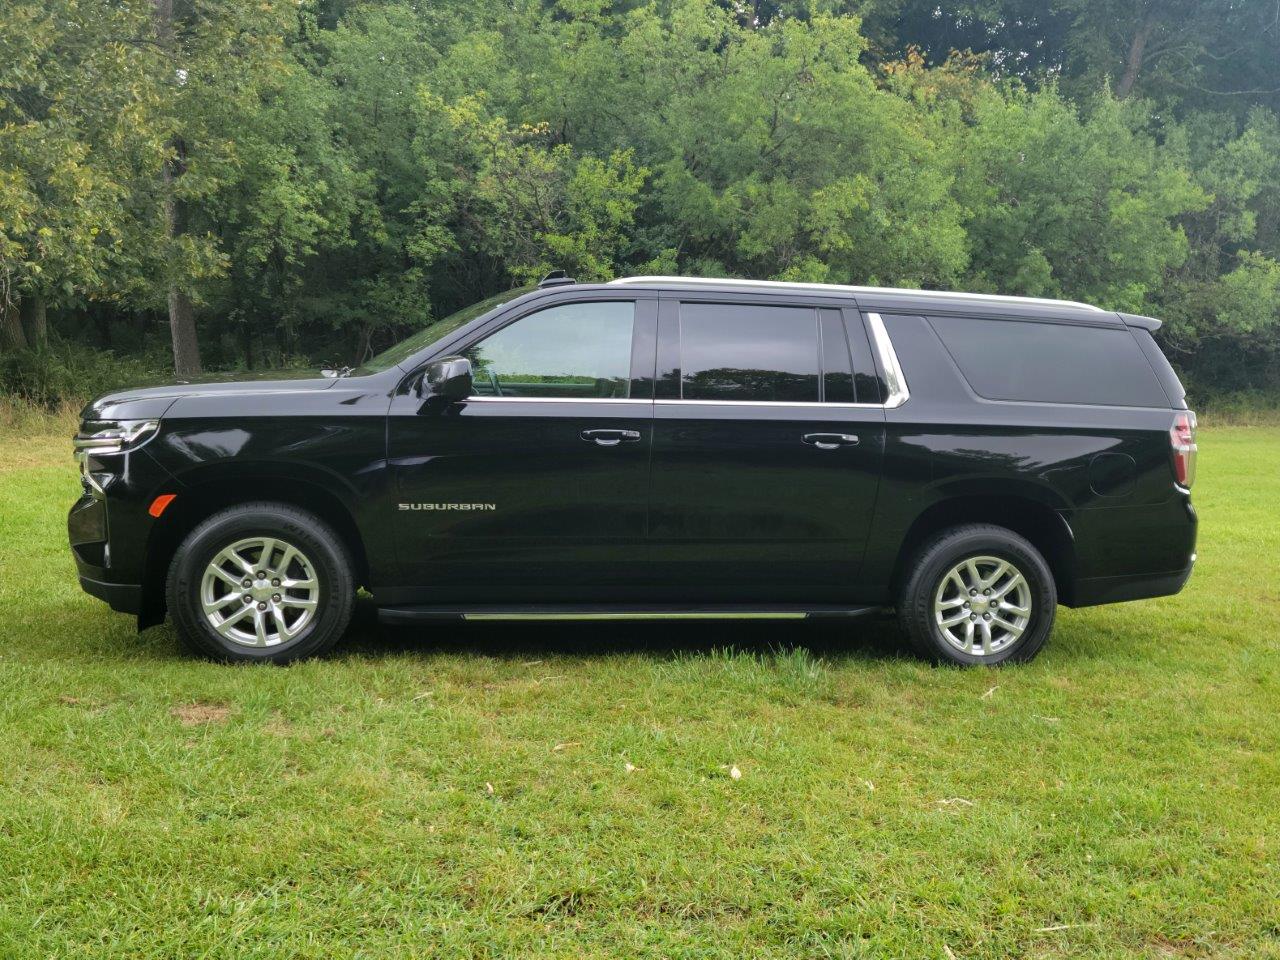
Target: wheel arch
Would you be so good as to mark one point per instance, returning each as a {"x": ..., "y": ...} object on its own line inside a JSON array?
[
  {"x": 204, "y": 495},
  {"x": 1026, "y": 515}
]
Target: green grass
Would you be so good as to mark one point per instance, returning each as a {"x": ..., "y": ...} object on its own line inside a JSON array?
[{"x": 465, "y": 791}]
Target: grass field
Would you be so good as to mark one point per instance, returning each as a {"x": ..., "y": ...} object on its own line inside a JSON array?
[{"x": 569, "y": 790}]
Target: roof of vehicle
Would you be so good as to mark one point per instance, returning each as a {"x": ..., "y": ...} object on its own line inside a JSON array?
[{"x": 893, "y": 297}]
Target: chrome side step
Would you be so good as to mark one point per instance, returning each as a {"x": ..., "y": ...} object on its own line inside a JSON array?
[{"x": 598, "y": 611}]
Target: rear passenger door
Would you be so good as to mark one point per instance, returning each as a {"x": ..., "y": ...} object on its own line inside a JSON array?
[{"x": 768, "y": 439}]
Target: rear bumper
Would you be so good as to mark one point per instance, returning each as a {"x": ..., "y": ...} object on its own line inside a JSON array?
[{"x": 1091, "y": 592}]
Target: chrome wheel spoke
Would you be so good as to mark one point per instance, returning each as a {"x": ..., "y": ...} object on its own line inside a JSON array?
[
  {"x": 214, "y": 606},
  {"x": 226, "y": 625},
  {"x": 288, "y": 555},
  {"x": 994, "y": 577},
  {"x": 227, "y": 578},
  {"x": 1014, "y": 583}
]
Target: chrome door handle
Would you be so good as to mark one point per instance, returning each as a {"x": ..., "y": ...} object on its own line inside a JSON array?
[
  {"x": 830, "y": 441},
  {"x": 610, "y": 438}
]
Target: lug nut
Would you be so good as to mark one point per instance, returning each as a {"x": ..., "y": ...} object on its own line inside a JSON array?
[
  {"x": 261, "y": 574},
  {"x": 986, "y": 616},
  {"x": 248, "y": 599},
  {"x": 246, "y": 582},
  {"x": 986, "y": 593},
  {"x": 973, "y": 593},
  {"x": 275, "y": 582},
  {"x": 262, "y": 606},
  {"x": 966, "y": 604},
  {"x": 275, "y": 597},
  {"x": 973, "y": 616}
]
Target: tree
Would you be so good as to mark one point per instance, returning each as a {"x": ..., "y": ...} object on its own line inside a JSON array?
[{"x": 68, "y": 152}]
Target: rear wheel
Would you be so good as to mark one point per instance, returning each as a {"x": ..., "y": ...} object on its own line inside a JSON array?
[
  {"x": 978, "y": 594},
  {"x": 262, "y": 581}
]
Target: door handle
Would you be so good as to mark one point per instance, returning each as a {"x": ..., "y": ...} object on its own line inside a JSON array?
[
  {"x": 831, "y": 441},
  {"x": 610, "y": 438}
]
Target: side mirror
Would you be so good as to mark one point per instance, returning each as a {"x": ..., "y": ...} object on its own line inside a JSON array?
[{"x": 448, "y": 379}]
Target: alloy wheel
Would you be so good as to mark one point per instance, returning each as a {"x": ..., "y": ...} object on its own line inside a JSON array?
[
  {"x": 982, "y": 605},
  {"x": 260, "y": 592}
]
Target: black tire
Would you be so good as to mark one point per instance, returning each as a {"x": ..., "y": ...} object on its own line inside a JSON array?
[
  {"x": 939, "y": 555},
  {"x": 324, "y": 552}
]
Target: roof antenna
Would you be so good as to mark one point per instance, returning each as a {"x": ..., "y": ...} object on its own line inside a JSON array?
[{"x": 556, "y": 278}]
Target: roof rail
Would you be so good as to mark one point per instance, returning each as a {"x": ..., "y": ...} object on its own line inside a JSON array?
[{"x": 869, "y": 291}]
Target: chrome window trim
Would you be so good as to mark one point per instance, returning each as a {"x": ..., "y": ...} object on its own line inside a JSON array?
[
  {"x": 487, "y": 399},
  {"x": 667, "y": 401},
  {"x": 829, "y": 288},
  {"x": 895, "y": 380},
  {"x": 770, "y": 403}
]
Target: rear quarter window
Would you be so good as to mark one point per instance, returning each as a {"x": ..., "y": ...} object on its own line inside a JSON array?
[{"x": 1038, "y": 362}]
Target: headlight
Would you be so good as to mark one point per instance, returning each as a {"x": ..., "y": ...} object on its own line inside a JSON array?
[
  {"x": 114, "y": 436},
  {"x": 97, "y": 438}
]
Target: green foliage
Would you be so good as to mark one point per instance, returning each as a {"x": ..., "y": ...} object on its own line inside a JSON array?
[
  {"x": 352, "y": 169},
  {"x": 62, "y": 372},
  {"x": 1065, "y": 205}
]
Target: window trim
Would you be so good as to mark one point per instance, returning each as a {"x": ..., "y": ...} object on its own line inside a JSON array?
[{"x": 895, "y": 381}]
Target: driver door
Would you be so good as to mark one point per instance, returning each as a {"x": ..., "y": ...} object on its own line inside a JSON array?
[{"x": 536, "y": 487}]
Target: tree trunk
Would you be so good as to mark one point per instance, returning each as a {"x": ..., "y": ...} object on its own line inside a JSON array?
[
  {"x": 34, "y": 321},
  {"x": 1137, "y": 50},
  {"x": 182, "y": 322},
  {"x": 11, "y": 335}
]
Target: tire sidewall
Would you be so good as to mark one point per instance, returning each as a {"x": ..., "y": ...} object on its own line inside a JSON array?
[
  {"x": 946, "y": 551},
  {"x": 307, "y": 533}
]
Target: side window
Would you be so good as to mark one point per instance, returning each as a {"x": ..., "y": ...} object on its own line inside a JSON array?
[
  {"x": 731, "y": 351},
  {"x": 1050, "y": 362},
  {"x": 837, "y": 367},
  {"x": 574, "y": 350}
]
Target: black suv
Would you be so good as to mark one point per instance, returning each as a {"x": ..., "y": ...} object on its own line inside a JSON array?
[{"x": 660, "y": 447}]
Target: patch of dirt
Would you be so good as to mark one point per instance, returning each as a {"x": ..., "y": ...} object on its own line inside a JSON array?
[{"x": 196, "y": 714}]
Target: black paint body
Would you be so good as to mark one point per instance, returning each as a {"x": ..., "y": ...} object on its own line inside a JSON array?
[{"x": 715, "y": 503}]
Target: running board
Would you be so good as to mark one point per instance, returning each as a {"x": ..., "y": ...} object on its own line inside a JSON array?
[{"x": 602, "y": 611}]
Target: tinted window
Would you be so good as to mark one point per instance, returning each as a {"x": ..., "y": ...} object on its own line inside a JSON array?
[
  {"x": 1050, "y": 362},
  {"x": 731, "y": 351},
  {"x": 571, "y": 350},
  {"x": 837, "y": 368}
]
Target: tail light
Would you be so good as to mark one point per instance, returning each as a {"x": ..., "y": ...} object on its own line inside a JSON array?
[{"x": 1182, "y": 438}]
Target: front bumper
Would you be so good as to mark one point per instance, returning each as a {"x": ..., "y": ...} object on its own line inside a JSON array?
[
  {"x": 109, "y": 527},
  {"x": 121, "y": 597},
  {"x": 87, "y": 531}
]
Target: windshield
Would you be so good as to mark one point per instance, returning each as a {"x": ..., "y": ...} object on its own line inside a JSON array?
[{"x": 440, "y": 329}]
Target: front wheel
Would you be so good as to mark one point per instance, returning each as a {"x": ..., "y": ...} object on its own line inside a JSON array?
[
  {"x": 261, "y": 581},
  {"x": 978, "y": 594}
]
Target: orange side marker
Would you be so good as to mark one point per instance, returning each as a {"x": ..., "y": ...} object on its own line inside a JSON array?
[{"x": 159, "y": 504}]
